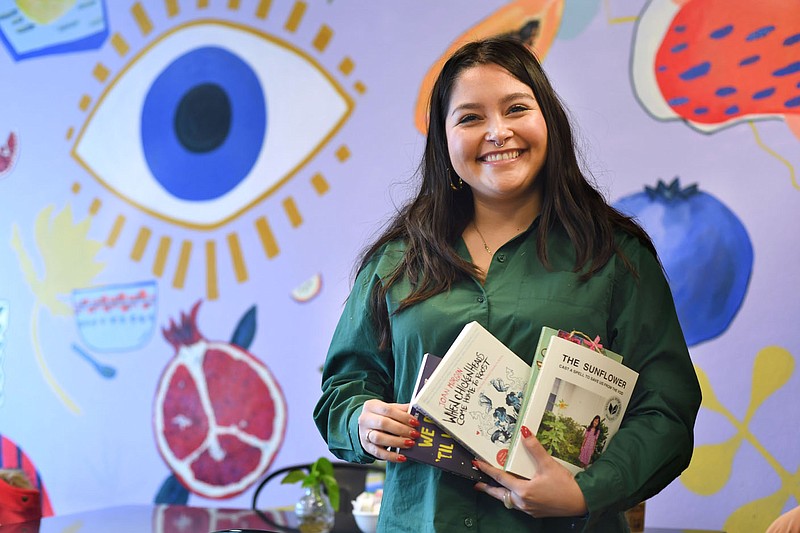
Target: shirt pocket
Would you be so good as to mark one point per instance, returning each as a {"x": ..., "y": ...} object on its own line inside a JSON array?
[{"x": 561, "y": 300}]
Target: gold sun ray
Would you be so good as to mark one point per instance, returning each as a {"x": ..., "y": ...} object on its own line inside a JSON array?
[{"x": 172, "y": 8}]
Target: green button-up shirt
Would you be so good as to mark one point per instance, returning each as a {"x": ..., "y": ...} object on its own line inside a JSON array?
[{"x": 635, "y": 318}]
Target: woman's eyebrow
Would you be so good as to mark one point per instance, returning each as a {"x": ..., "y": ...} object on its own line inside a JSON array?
[
  {"x": 517, "y": 96},
  {"x": 465, "y": 106},
  {"x": 507, "y": 98}
]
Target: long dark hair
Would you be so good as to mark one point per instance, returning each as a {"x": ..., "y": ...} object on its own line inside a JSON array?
[
  {"x": 597, "y": 427},
  {"x": 431, "y": 223}
]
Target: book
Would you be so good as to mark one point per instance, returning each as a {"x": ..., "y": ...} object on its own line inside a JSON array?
[
  {"x": 480, "y": 391},
  {"x": 476, "y": 392},
  {"x": 575, "y": 387},
  {"x": 436, "y": 447},
  {"x": 541, "y": 349}
]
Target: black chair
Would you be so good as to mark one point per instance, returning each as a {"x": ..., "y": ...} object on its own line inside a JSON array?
[{"x": 351, "y": 477}]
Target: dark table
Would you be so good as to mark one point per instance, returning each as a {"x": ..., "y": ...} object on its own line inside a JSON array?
[
  {"x": 160, "y": 519},
  {"x": 184, "y": 519}
]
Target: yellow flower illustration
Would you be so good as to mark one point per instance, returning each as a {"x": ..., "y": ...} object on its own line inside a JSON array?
[{"x": 68, "y": 258}]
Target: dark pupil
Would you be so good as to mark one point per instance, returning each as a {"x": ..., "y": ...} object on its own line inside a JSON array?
[{"x": 203, "y": 118}]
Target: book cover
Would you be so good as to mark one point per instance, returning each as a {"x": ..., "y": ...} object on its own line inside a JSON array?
[
  {"x": 538, "y": 359},
  {"x": 476, "y": 392},
  {"x": 434, "y": 446},
  {"x": 577, "y": 388},
  {"x": 544, "y": 340}
]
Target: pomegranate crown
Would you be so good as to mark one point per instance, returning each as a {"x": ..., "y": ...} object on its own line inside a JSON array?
[{"x": 185, "y": 333}]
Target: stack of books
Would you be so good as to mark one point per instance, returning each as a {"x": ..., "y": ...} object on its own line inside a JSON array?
[{"x": 472, "y": 402}]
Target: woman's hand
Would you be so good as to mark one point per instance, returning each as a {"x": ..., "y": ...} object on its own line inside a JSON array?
[
  {"x": 552, "y": 491},
  {"x": 384, "y": 425},
  {"x": 788, "y": 522}
]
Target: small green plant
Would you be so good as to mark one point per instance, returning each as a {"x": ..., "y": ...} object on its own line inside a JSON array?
[
  {"x": 553, "y": 434},
  {"x": 320, "y": 474}
]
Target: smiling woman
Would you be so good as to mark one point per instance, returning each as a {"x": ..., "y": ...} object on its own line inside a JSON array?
[
  {"x": 497, "y": 143},
  {"x": 506, "y": 230},
  {"x": 496, "y": 134}
]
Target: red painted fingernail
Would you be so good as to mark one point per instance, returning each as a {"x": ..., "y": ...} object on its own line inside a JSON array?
[
  {"x": 525, "y": 431},
  {"x": 409, "y": 443},
  {"x": 414, "y": 434},
  {"x": 414, "y": 422},
  {"x": 475, "y": 464},
  {"x": 401, "y": 458}
]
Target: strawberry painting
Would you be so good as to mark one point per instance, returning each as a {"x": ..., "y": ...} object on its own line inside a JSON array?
[{"x": 715, "y": 63}]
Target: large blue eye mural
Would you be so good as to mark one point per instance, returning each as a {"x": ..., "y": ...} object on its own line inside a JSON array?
[{"x": 205, "y": 122}]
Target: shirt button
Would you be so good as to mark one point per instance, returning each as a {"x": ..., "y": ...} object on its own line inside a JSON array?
[
  {"x": 501, "y": 258},
  {"x": 480, "y": 299},
  {"x": 468, "y": 522}
]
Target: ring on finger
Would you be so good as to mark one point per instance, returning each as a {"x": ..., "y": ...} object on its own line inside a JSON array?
[
  {"x": 507, "y": 500},
  {"x": 368, "y": 434}
]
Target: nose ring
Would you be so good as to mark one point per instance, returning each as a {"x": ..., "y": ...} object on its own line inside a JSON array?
[{"x": 499, "y": 144}]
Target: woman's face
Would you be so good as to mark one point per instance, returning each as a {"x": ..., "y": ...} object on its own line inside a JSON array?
[{"x": 490, "y": 107}]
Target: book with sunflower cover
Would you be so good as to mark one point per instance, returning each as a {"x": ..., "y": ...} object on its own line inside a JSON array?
[{"x": 575, "y": 402}]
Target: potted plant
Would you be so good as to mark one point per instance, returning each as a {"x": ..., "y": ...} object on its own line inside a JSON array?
[{"x": 317, "y": 505}]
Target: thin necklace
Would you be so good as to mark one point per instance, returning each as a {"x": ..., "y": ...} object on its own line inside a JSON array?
[{"x": 485, "y": 246}]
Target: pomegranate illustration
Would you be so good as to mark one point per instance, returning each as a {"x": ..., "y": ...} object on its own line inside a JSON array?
[{"x": 220, "y": 416}]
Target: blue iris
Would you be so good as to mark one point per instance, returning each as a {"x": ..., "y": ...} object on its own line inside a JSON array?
[{"x": 204, "y": 122}]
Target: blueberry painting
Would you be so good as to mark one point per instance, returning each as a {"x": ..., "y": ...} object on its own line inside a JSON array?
[{"x": 705, "y": 250}]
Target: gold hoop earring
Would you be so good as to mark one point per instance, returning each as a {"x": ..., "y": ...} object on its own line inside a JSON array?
[{"x": 454, "y": 186}]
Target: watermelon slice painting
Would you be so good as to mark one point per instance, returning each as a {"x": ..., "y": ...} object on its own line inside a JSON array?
[{"x": 716, "y": 63}]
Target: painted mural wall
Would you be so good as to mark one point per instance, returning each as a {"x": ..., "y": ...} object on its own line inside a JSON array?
[{"x": 184, "y": 186}]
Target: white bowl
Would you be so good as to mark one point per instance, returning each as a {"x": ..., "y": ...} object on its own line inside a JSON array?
[{"x": 366, "y": 521}]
